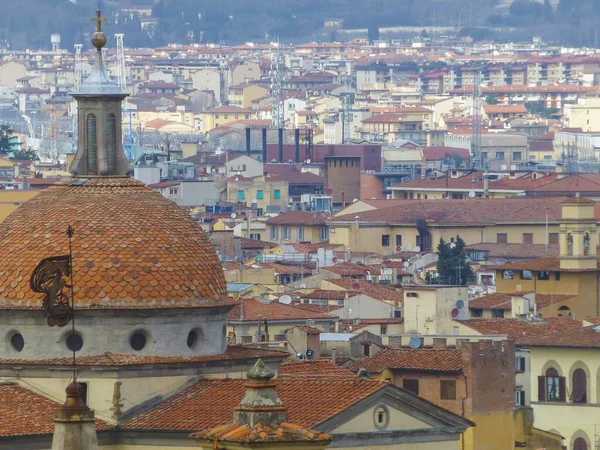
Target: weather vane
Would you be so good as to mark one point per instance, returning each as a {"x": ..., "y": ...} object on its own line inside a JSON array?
[{"x": 53, "y": 277}]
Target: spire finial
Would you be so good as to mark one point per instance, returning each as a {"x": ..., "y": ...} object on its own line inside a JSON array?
[{"x": 98, "y": 38}]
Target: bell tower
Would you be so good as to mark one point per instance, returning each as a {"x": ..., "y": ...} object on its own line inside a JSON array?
[
  {"x": 100, "y": 147},
  {"x": 578, "y": 234}
]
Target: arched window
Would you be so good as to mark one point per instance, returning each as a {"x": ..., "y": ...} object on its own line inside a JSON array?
[
  {"x": 579, "y": 394},
  {"x": 551, "y": 387},
  {"x": 91, "y": 144},
  {"x": 564, "y": 311},
  {"x": 111, "y": 143},
  {"x": 580, "y": 443}
]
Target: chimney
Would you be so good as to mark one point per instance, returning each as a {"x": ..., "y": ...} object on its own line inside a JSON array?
[
  {"x": 333, "y": 355},
  {"x": 297, "y": 144},
  {"x": 74, "y": 427},
  {"x": 248, "y": 141},
  {"x": 264, "y": 145},
  {"x": 439, "y": 342},
  {"x": 280, "y": 132}
]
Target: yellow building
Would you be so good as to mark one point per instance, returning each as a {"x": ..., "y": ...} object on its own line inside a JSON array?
[
  {"x": 259, "y": 192},
  {"x": 572, "y": 277},
  {"x": 585, "y": 115},
  {"x": 215, "y": 117},
  {"x": 462, "y": 184},
  {"x": 298, "y": 226},
  {"x": 565, "y": 371},
  {"x": 242, "y": 95},
  {"x": 386, "y": 227},
  {"x": 10, "y": 200}
]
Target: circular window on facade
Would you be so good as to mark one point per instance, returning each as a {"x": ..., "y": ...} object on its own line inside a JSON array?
[
  {"x": 192, "y": 339},
  {"x": 381, "y": 417},
  {"x": 17, "y": 342},
  {"x": 138, "y": 340},
  {"x": 74, "y": 342}
]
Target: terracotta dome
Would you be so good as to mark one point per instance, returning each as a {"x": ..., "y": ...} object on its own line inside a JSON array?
[{"x": 132, "y": 248}]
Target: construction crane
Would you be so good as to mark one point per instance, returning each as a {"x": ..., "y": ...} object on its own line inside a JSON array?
[
  {"x": 347, "y": 98},
  {"x": 476, "y": 154},
  {"x": 277, "y": 107},
  {"x": 122, "y": 82}
]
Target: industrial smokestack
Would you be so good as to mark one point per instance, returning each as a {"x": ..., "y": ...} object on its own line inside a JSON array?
[
  {"x": 264, "y": 145},
  {"x": 248, "y": 145},
  {"x": 297, "y": 143},
  {"x": 280, "y": 145}
]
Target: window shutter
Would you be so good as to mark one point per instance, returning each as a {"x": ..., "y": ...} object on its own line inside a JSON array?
[
  {"x": 561, "y": 389},
  {"x": 541, "y": 389}
]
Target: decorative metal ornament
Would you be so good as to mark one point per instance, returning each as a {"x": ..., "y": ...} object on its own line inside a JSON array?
[{"x": 50, "y": 277}]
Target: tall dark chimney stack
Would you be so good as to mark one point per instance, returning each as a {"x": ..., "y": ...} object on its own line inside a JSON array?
[
  {"x": 264, "y": 145},
  {"x": 297, "y": 143},
  {"x": 280, "y": 145}
]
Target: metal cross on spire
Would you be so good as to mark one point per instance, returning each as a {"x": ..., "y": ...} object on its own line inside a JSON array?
[{"x": 98, "y": 19}]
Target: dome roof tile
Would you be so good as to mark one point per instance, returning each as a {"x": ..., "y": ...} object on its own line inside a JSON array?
[{"x": 132, "y": 248}]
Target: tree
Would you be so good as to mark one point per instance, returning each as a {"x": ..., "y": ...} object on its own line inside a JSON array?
[
  {"x": 373, "y": 33},
  {"x": 491, "y": 99},
  {"x": 30, "y": 155},
  {"x": 5, "y": 133},
  {"x": 453, "y": 267}
]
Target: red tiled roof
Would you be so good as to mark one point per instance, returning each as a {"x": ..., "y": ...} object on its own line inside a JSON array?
[
  {"x": 588, "y": 337},
  {"x": 522, "y": 210},
  {"x": 518, "y": 330},
  {"x": 110, "y": 359},
  {"x": 282, "y": 432},
  {"x": 24, "y": 412},
  {"x": 308, "y": 218},
  {"x": 308, "y": 329},
  {"x": 548, "y": 263},
  {"x": 376, "y": 291},
  {"x": 348, "y": 269},
  {"x": 505, "y": 109},
  {"x": 320, "y": 369},
  {"x": 424, "y": 359},
  {"x": 252, "y": 310},
  {"x": 495, "y": 301},
  {"x": 210, "y": 403},
  {"x": 132, "y": 248},
  {"x": 582, "y": 182}
]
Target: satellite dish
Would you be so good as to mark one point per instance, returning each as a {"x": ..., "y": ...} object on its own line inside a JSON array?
[
  {"x": 415, "y": 342},
  {"x": 452, "y": 244},
  {"x": 285, "y": 299},
  {"x": 513, "y": 167},
  {"x": 354, "y": 200},
  {"x": 303, "y": 286},
  {"x": 472, "y": 194},
  {"x": 455, "y": 312},
  {"x": 460, "y": 304},
  {"x": 255, "y": 266},
  {"x": 308, "y": 161},
  {"x": 406, "y": 264},
  {"x": 334, "y": 259},
  {"x": 504, "y": 167},
  {"x": 237, "y": 179},
  {"x": 233, "y": 215},
  {"x": 417, "y": 249}
]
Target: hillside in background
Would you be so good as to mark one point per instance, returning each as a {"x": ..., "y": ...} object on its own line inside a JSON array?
[{"x": 30, "y": 24}]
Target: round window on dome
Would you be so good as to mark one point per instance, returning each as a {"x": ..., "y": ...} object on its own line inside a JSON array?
[
  {"x": 138, "y": 341},
  {"x": 74, "y": 342},
  {"x": 192, "y": 339},
  {"x": 17, "y": 342}
]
